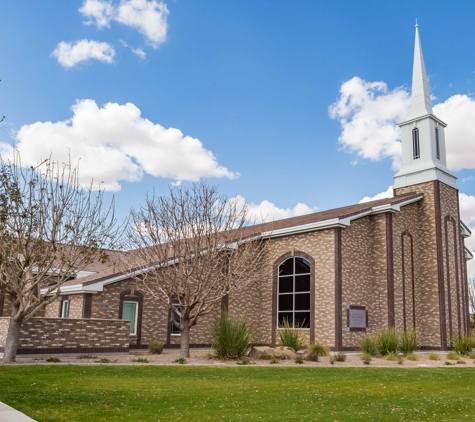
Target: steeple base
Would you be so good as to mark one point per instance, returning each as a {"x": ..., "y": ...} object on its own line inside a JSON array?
[{"x": 403, "y": 179}]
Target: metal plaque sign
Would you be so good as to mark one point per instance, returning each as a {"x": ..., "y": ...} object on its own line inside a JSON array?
[
  {"x": 357, "y": 318},
  {"x": 104, "y": 305}
]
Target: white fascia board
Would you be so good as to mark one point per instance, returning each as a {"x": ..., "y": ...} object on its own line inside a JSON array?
[
  {"x": 394, "y": 207},
  {"x": 468, "y": 255},
  {"x": 464, "y": 231}
]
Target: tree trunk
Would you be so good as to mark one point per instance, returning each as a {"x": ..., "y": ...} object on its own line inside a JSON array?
[
  {"x": 12, "y": 341},
  {"x": 185, "y": 341}
]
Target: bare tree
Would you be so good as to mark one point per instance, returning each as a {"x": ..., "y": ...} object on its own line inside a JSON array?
[
  {"x": 194, "y": 248},
  {"x": 50, "y": 228}
]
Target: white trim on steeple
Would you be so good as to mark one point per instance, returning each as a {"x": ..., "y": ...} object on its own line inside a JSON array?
[{"x": 422, "y": 134}]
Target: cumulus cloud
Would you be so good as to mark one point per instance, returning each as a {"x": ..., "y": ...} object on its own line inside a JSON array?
[
  {"x": 72, "y": 53},
  {"x": 115, "y": 143},
  {"x": 137, "y": 51},
  {"x": 267, "y": 211},
  {"x": 149, "y": 17},
  {"x": 382, "y": 195},
  {"x": 467, "y": 214},
  {"x": 369, "y": 113}
]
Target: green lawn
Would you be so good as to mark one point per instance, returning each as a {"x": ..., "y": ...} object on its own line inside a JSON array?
[{"x": 110, "y": 393}]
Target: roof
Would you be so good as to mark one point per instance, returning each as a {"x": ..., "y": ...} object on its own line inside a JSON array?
[{"x": 107, "y": 273}]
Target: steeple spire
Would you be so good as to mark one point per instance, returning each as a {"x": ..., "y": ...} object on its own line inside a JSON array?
[{"x": 421, "y": 103}]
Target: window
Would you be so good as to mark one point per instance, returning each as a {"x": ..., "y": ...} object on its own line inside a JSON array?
[
  {"x": 129, "y": 312},
  {"x": 416, "y": 151},
  {"x": 174, "y": 331},
  {"x": 293, "y": 292},
  {"x": 437, "y": 145},
  {"x": 64, "y": 309}
]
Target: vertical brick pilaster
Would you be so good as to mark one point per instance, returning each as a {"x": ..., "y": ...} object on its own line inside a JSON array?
[
  {"x": 390, "y": 268},
  {"x": 338, "y": 291}
]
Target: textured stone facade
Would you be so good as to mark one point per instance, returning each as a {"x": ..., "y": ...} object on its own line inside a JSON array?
[{"x": 60, "y": 335}]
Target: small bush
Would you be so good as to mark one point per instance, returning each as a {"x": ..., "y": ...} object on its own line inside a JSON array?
[
  {"x": 181, "y": 361},
  {"x": 273, "y": 360},
  {"x": 400, "y": 358},
  {"x": 105, "y": 360},
  {"x": 452, "y": 356},
  {"x": 448, "y": 363},
  {"x": 391, "y": 356},
  {"x": 366, "y": 358},
  {"x": 140, "y": 360},
  {"x": 86, "y": 357},
  {"x": 316, "y": 350},
  {"x": 332, "y": 360},
  {"x": 369, "y": 344},
  {"x": 53, "y": 359},
  {"x": 340, "y": 357},
  {"x": 299, "y": 360},
  {"x": 434, "y": 356},
  {"x": 412, "y": 357},
  {"x": 408, "y": 342},
  {"x": 155, "y": 347},
  {"x": 244, "y": 362},
  {"x": 471, "y": 355},
  {"x": 462, "y": 344},
  {"x": 289, "y": 336},
  {"x": 461, "y": 362},
  {"x": 231, "y": 337},
  {"x": 387, "y": 341}
]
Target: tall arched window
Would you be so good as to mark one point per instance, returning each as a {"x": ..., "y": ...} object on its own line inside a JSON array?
[
  {"x": 437, "y": 145},
  {"x": 416, "y": 150},
  {"x": 293, "y": 292}
]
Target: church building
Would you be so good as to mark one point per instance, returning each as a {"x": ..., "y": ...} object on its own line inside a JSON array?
[{"x": 339, "y": 274}]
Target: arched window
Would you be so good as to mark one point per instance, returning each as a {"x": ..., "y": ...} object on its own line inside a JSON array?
[
  {"x": 416, "y": 150},
  {"x": 293, "y": 292},
  {"x": 437, "y": 145}
]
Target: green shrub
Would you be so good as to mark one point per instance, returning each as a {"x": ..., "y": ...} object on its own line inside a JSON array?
[
  {"x": 155, "y": 347},
  {"x": 366, "y": 358},
  {"x": 332, "y": 360},
  {"x": 448, "y": 363},
  {"x": 231, "y": 337},
  {"x": 105, "y": 360},
  {"x": 340, "y": 357},
  {"x": 140, "y": 360},
  {"x": 86, "y": 357},
  {"x": 461, "y": 362},
  {"x": 453, "y": 356},
  {"x": 53, "y": 359},
  {"x": 299, "y": 360},
  {"x": 289, "y": 336},
  {"x": 391, "y": 356},
  {"x": 408, "y": 342},
  {"x": 412, "y": 357},
  {"x": 471, "y": 355},
  {"x": 388, "y": 341},
  {"x": 181, "y": 361},
  {"x": 244, "y": 362},
  {"x": 369, "y": 344},
  {"x": 462, "y": 344},
  {"x": 400, "y": 358},
  {"x": 316, "y": 350},
  {"x": 434, "y": 356}
]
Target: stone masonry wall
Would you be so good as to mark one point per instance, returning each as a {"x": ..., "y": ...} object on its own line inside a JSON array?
[{"x": 60, "y": 335}]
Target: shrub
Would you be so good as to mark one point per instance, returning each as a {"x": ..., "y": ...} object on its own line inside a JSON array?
[
  {"x": 366, "y": 358},
  {"x": 452, "y": 356},
  {"x": 289, "y": 336},
  {"x": 369, "y": 344},
  {"x": 316, "y": 350},
  {"x": 462, "y": 344},
  {"x": 155, "y": 347},
  {"x": 448, "y": 363},
  {"x": 231, "y": 337},
  {"x": 408, "y": 342},
  {"x": 299, "y": 360},
  {"x": 332, "y": 360},
  {"x": 105, "y": 360},
  {"x": 140, "y": 360},
  {"x": 244, "y": 362},
  {"x": 434, "y": 356},
  {"x": 391, "y": 356},
  {"x": 340, "y": 357},
  {"x": 387, "y": 341},
  {"x": 471, "y": 355},
  {"x": 461, "y": 362},
  {"x": 181, "y": 361},
  {"x": 53, "y": 359},
  {"x": 86, "y": 357},
  {"x": 273, "y": 360},
  {"x": 412, "y": 357},
  {"x": 400, "y": 358}
]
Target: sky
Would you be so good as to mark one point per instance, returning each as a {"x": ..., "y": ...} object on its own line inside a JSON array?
[{"x": 291, "y": 105}]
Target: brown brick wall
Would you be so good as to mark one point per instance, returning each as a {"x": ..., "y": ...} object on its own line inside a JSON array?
[{"x": 67, "y": 334}]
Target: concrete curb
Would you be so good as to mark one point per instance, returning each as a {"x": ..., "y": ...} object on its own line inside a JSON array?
[{"x": 9, "y": 414}]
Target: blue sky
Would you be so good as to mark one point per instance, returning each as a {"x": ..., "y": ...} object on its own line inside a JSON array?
[{"x": 251, "y": 80}]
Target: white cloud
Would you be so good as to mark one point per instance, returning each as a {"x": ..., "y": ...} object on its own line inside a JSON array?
[
  {"x": 114, "y": 143},
  {"x": 72, "y": 53},
  {"x": 467, "y": 214},
  {"x": 467, "y": 179},
  {"x": 139, "y": 52},
  {"x": 149, "y": 17},
  {"x": 382, "y": 195},
  {"x": 369, "y": 114},
  {"x": 266, "y": 211}
]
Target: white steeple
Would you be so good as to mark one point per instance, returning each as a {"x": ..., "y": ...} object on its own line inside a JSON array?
[{"x": 422, "y": 135}]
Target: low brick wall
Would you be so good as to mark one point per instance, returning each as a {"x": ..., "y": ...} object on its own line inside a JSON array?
[{"x": 77, "y": 336}]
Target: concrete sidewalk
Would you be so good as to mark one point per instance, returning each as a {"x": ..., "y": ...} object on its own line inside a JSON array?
[{"x": 9, "y": 414}]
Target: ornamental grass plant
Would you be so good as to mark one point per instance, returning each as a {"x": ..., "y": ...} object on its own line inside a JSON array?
[
  {"x": 317, "y": 350},
  {"x": 231, "y": 337},
  {"x": 289, "y": 336},
  {"x": 369, "y": 344},
  {"x": 388, "y": 341},
  {"x": 408, "y": 342},
  {"x": 463, "y": 344}
]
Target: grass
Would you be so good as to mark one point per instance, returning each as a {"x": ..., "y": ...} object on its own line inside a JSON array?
[
  {"x": 289, "y": 336},
  {"x": 231, "y": 337},
  {"x": 240, "y": 393},
  {"x": 369, "y": 344},
  {"x": 316, "y": 350},
  {"x": 434, "y": 356},
  {"x": 408, "y": 342},
  {"x": 388, "y": 341}
]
